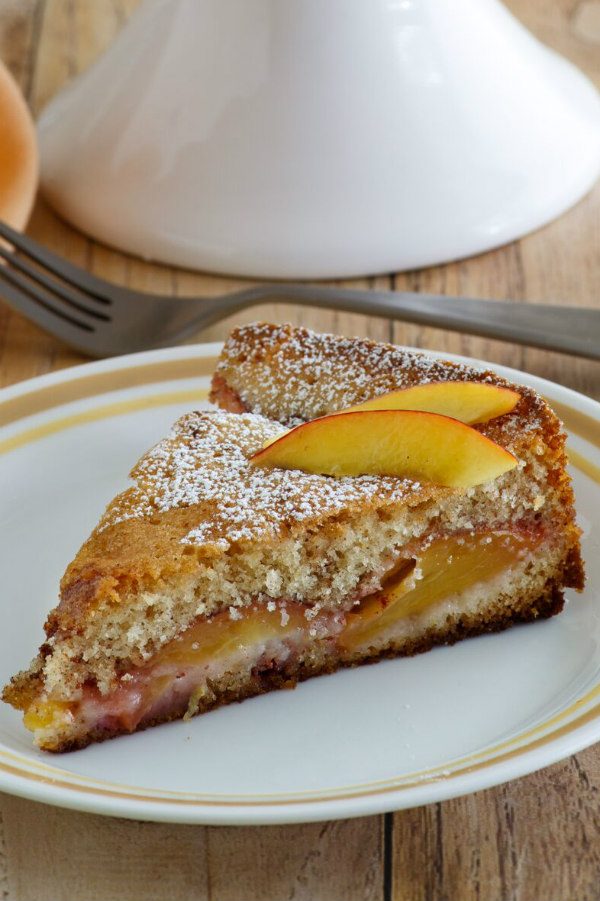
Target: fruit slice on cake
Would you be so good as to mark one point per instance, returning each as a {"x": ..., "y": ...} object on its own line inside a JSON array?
[
  {"x": 469, "y": 402},
  {"x": 406, "y": 444},
  {"x": 225, "y": 571}
]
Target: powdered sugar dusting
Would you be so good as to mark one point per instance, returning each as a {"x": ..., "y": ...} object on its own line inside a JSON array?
[
  {"x": 204, "y": 464},
  {"x": 292, "y": 375}
]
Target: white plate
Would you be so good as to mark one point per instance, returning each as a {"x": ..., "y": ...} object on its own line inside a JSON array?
[{"x": 398, "y": 734}]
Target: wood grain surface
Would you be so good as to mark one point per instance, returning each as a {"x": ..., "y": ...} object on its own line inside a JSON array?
[{"x": 536, "y": 839}]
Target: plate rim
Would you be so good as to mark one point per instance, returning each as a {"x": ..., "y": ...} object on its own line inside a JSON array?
[{"x": 199, "y": 809}]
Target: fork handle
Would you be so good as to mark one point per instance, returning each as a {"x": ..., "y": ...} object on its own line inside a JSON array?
[{"x": 574, "y": 330}]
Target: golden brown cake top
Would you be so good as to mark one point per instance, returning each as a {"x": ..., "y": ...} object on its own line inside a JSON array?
[
  {"x": 196, "y": 497},
  {"x": 292, "y": 374},
  {"x": 203, "y": 467}
]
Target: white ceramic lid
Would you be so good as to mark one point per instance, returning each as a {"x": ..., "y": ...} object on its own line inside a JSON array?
[{"x": 320, "y": 138}]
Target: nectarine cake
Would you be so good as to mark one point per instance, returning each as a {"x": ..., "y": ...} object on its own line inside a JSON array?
[{"x": 349, "y": 501}]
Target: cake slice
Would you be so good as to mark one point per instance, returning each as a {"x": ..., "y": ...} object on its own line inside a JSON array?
[{"x": 212, "y": 578}]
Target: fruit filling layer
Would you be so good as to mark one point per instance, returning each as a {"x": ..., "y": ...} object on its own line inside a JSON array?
[{"x": 272, "y": 637}]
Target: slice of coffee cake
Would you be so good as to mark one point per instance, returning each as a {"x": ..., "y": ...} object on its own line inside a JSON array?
[{"x": 216, "y": 577}]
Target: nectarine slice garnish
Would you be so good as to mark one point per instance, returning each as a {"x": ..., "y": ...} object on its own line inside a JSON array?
[
  {"x": 403, "y": 443},
  {"x": 469, "y": 402}
]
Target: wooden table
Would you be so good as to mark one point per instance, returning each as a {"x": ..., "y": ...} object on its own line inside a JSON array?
[{"x": 536, "y": 839}]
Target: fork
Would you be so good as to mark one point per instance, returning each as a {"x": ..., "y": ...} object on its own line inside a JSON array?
[{"x": 103, "y": 319}]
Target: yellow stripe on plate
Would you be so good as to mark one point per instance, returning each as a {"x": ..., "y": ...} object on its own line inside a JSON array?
[{"x": 119, "y": 408}]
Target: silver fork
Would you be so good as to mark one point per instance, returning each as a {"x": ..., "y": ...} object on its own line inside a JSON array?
[{"x": 102, "y": 319}]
